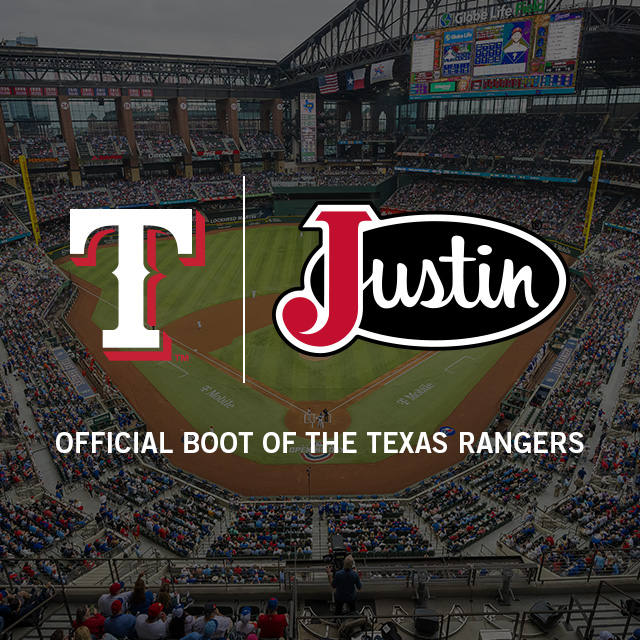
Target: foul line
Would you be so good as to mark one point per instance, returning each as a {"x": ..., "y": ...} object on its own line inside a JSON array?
[
  {"x": 215, "y": 363},
  {"x": 184, "y": 373},
  {"x": 390, "y": 378},
  {"x": 414, "y": 365},
  {"x": 453, "y": 373},
  {"x": 244, "y": 286}
]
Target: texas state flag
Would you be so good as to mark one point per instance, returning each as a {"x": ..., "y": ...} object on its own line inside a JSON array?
[{"x": 355, "y": 79}]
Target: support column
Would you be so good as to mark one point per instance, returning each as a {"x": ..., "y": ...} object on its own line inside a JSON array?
[
  {"x": 179, "y": 120},
  {"x": 66, "y": 128},
  {"x": 227, "y": 110},
  {"x": 423, "y": 107},
  {"x": 271, "y": 122},
  {"x": 271, "y": 114},
  {"x": 5, "y": 155},
  {"x": 125, "y": 127}
]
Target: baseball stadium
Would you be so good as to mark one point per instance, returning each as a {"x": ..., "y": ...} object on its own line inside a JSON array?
[{"x": 523, "y": 112}]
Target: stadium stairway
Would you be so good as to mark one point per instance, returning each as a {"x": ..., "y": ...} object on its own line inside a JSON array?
[
  {"x": 100, "y": 575},
  {"x": 21, "y": 212},
  {"x": 45, "y": 467},
  {"x": 608, "y": 210},
  {"x": 607, "y": 617},
  {"x": 320, "y": 540},
  {"x": 55, "y": 617},
  {"x": 599, "y": 130},
  {"x": 627, "y": 147}
]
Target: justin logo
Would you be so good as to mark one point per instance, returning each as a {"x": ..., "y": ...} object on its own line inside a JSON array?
[
  {"x": 419, "y": 281},
  {"x": 132, "y": 337}
]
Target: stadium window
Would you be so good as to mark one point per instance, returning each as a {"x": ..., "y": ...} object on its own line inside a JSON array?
[
  {"x": 628, "y": 94},
  {"x": 382, "y": 122},
  {"x": 345, "y": 125},
  {"x": 93, "y": 116},
  {"x": 512, "y": 105},
  {"x": 203, "y": 117},
  {"x": 565, "y": 100},
  {"x": 540, "y": 101},
  {"x": 26, "y": 117},
  {"x": 150, "y": 117},
  {"x": 249, "y": 116},
  {"x": 596, "y": 96},
  {"x": 367, "y": 124}
]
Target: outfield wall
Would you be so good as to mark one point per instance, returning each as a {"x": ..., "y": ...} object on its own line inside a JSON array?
[{"x": 300, "y": 200}]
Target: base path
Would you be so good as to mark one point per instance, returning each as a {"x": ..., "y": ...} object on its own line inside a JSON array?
[{"x": 392, "y": 474}]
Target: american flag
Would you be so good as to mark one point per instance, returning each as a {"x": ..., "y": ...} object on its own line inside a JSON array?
[{"x": 328, "y": 83}]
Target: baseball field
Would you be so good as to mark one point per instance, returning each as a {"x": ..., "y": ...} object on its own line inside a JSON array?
[{"x": 367, "y": 387}]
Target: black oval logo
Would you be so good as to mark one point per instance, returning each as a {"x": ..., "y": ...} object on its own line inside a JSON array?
[{"x": 437, "y": 280}]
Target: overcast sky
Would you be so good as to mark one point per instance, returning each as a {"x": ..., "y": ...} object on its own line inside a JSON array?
[{"x": 243, "y": 28}]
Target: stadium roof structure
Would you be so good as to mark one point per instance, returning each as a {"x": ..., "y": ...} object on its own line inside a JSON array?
[
  {"x": 211, "y": 77},
  {"x": 365, "y": 32},
  {"x": 611, "y": 54},
  {"x": 369, "y": 31}
]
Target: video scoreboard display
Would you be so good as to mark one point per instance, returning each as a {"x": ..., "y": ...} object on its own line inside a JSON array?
[{"x": 532, "y": 55}]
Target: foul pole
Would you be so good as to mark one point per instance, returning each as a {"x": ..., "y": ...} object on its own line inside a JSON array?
[
  {"x": 592, "y": 198},
  {"x": 35, "y": 227}
]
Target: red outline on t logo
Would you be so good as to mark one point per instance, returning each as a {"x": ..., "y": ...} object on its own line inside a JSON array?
[{"x": 127, "y": 341}]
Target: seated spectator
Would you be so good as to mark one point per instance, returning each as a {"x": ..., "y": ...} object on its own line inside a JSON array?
[
  {"x": 82, "y": 633},
  {"x": 208, "y": 614},
  {"x": 179, "y": 623},
  {"x": 141, "y": 599},
  {"x": 244, "y": 625},
  {"x": 272, "y": 624},
  {"x": 115, "y": 593},
  {"x": 90, "y": 618},
  {"x": 224, "y": 623},
  {"x": 15, "y": 608},
  {"x": 207, "y": 632},
  {"x": 152, "y": 626},
  {"x": 118, "y": 624}
]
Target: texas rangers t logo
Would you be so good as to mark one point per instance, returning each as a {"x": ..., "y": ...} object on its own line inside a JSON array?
[{"x": 132, "y": 334}]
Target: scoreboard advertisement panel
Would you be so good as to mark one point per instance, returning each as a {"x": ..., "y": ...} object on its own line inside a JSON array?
[{"x": 532, "y": 55}]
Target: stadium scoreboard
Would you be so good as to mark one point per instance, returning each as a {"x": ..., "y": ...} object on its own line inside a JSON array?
[{"x": 535, "y": 55}]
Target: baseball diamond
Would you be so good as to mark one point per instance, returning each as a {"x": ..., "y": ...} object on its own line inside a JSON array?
[{"x": 363, "y": 386}]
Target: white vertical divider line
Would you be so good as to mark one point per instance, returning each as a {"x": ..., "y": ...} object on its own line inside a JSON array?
[{"x": 244, "y": 285}]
